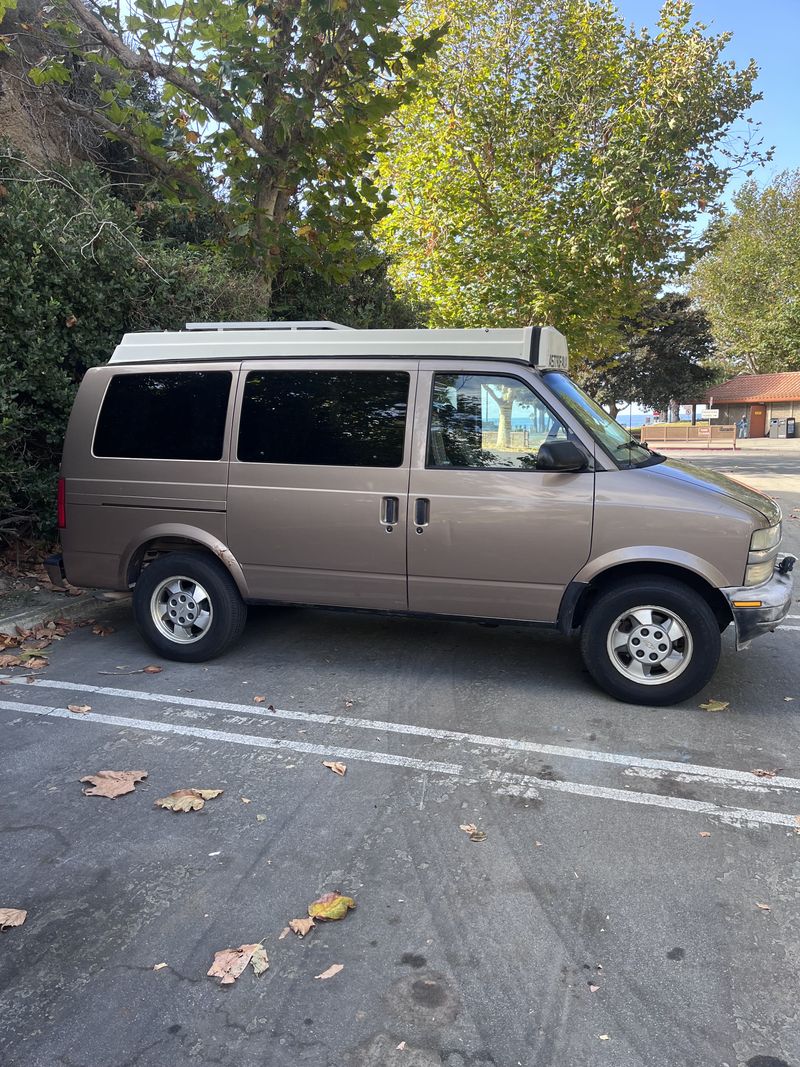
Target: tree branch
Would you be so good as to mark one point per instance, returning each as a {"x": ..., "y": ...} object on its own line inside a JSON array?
[
  {"x": 145, "y": 64},
  {"x": 161, "y": 166}
]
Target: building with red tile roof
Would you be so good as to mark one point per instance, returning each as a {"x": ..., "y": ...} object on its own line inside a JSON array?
[{"x": 760, "y": 398}]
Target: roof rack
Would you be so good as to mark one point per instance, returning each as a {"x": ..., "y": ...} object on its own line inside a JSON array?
[{"x": 321, "y": 324}]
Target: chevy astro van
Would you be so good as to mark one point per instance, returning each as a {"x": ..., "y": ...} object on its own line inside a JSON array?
[{"x": 457, "y": 473}]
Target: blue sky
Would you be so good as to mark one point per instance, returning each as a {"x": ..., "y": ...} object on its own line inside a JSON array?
[{"x": 769, "y": 32}]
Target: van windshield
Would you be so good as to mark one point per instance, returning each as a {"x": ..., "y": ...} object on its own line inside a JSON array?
[{"x": 614, "y": 438}]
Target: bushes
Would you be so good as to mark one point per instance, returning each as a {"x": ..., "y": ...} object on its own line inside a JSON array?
[{"x": 75, "y": 274}]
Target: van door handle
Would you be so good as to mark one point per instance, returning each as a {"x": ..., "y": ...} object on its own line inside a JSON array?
[
  {"x": 422, "y": 510},
  {"x": 390, "y": 510}
]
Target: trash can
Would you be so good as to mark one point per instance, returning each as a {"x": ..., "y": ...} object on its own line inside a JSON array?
[
  {"x": 781, "y": 427},
  {"x": 774, "y": 426},
  {"x": 790, "y": 427}
]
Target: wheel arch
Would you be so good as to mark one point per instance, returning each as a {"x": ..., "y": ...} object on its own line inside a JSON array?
[
  {"x": 176, "y": 537},
  {"x": 579, "y": 595}
]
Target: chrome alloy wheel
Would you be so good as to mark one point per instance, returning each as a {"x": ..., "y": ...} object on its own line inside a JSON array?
[
  {"x": 650, "y": 645},
  {"x": 181, "y": 610}
]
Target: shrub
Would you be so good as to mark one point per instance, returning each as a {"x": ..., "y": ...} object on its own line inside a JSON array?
[{"x": 75, "y": 274}]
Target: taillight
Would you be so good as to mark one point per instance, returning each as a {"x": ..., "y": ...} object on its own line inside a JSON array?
[{"x": 62, "y": 505}]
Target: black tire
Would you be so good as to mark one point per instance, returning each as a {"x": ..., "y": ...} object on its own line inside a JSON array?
[
  {"x": 222, "y": 603},
  {"x": 700, "y": 654}
]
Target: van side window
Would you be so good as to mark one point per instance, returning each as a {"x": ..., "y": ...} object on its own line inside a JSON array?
[
  {"x": 164, "y": 416},
  {"x": 328, "y": 418},
  {"x": 487, "y": 421}
]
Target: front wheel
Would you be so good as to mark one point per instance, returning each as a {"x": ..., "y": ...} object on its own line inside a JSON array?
[
  {"x": 650, "y": 641},
  {"x": 187, "y": 607}
]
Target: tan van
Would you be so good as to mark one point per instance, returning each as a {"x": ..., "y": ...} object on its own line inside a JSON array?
[{"x": 457, "y": 473}]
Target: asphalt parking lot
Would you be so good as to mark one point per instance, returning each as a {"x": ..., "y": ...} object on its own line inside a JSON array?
[{"x": 633, "y": 904}]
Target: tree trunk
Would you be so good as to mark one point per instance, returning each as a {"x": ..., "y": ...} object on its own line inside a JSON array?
[
  {"x": 504, "y": 425},
  {"x": 271, "y": 203}
]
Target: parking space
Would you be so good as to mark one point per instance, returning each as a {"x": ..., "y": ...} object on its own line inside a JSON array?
[{"x": 634, "y": 901}]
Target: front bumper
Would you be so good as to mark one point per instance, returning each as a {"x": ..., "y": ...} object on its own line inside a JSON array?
[{"x": 758, "y": 609}]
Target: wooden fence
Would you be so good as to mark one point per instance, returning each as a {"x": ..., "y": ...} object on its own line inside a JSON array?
[{"x": 684, "y": 435}]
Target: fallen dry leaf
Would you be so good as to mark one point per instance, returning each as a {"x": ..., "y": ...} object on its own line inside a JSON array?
[
  {"x": 245, "y": 800},
  {"x": 12, "y": 917},
  {"x": 261, "y": 818},
  {"x": 472, "y": 830},
  {"x": 335, "y": 766},
  {"x": 593, "y": 988},
  {"x": 8, "y": 660},
  {"x": 187, "y": 799},
  {"x": 35, "y": 663},
  {"x": 102, "y": 631},
  {"x": 331, "y": 971},
  {"x": 151, "y": 669},
  {"x": 331, "y": 906},
  {"x": 301, "y": 926},
  {"x": 760, "y": 772},
  {"x": 112, "y": 783},
  {"x": 259, "y": 700},
  {"x": 401, "y": 1046},
  {"x": 348, "y": 703},
  {"x": 159, "y": 966},
  {"x": 764, "y": 907},
  {"x": 284, "y": 933},
  {"x": 704, "y": 833},
  {"x": 604, "y": 1037},
  {"x": 79, "y": 709},
  {"x": 716, "y": 705},
  {"x": 260, "y": 960},
  {"x": 230, "y": 962}
]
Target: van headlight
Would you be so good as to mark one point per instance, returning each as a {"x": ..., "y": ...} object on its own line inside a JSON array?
[{"x": 762, "y": 540}]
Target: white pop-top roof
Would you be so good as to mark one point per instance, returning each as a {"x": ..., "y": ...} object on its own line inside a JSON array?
[{"x": 542, "y": 346}]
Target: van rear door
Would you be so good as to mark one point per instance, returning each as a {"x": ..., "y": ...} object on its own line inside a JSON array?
[
  {"x": 491, "y": 536},
  {"x": 318, "y": 481}
]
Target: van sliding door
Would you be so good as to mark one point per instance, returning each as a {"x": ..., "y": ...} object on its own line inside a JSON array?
[{"x": 318, "y": 483}]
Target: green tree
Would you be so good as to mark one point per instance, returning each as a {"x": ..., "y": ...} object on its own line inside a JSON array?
[
  {"x": 275, "y": 104},
  {"x": 667, "y": 359},
  {"x": 75, "y": 275},
  {"x": 552, "y": 164},
  {"x": 749, "y": 283}
]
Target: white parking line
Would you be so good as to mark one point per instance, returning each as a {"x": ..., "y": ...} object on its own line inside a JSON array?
[
  {"x": 504, "y": 783},
  {"x": 721, "y": 775},
  {"x": 521, "y": 785},
  {"x": 237, "y": 739}
]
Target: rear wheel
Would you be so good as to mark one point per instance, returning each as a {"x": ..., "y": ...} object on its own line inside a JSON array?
[
  {"x": 650, "y": 641},
  {"x": 187, "y": 607}
]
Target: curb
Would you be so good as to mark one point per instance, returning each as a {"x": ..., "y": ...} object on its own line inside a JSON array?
[{"x": 85, "y": 606}]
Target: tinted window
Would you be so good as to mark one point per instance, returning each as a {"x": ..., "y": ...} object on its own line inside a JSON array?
[
  {"x": 164, "y": 416},
  {"x": 332, "y": 418},
  {"x": 486, "y": 421}
]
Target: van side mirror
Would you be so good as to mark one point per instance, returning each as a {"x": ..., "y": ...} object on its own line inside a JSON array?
[{"x": 561, "y": 456}]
